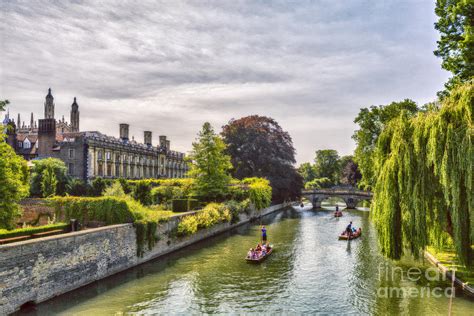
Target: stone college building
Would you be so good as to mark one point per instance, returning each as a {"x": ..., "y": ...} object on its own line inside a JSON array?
[{"x": 90, "y": 154}]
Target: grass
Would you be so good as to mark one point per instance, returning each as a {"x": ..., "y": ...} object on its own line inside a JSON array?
[{"x": 448, "y": 258}]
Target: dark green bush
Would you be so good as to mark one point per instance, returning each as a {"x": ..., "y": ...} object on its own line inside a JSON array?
[
  {"x": 180, "y": 205},
  {"x": 97, "y": 187},
  {"x": 77, "y": 187},
  {"x": 185, "y": 205},
  {"x": 142, "y": 192},
  {"x": 4, "y": 234}
]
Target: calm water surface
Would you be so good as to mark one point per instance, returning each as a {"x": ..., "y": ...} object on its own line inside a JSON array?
[{"x": 310, "y": 272}]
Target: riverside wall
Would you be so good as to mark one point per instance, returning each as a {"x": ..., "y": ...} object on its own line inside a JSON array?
[{"x": 34, "y": 271}]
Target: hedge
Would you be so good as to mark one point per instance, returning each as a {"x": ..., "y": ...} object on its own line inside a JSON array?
[
  {"x": 110, "y": 210},
  {"x": 4, "y": 234},
  {"x": 113, "y": 210}
]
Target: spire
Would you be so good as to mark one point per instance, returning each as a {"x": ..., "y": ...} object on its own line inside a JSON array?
[
  {"x": 31, "y": 121},
  {"x": 19, "y": 120},
  {"x": 49, "y": 105},
  {"x": 74, "y": 116}
]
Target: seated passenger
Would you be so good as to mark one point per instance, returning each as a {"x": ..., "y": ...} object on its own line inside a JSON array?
[{"x": 250, "y": 254}]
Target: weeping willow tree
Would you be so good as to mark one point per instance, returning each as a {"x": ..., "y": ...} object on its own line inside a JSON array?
[{"x": 424, "y": 188}]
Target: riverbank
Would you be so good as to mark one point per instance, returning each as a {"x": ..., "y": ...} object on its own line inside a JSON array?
[
  {"x": 461, "y": 280},
  {"x": 37, "y": 270}
]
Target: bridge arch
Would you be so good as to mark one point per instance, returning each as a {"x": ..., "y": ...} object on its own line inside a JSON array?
[{"x": 350, "y": 195}]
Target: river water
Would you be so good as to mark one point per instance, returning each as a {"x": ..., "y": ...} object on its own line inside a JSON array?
[{"x": 310, "y": 271}]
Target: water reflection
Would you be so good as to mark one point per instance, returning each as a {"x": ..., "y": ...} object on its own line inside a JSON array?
[{"x": 310, "y": 271}]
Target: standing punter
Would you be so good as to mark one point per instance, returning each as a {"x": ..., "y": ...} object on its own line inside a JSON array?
[{"x": 264, "y": 234}]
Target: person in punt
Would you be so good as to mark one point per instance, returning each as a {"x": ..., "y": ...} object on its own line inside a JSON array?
[{"x": 251, "y": 253}]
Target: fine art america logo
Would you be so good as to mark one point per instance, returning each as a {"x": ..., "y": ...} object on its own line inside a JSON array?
[{"x": 430, "y": 282}]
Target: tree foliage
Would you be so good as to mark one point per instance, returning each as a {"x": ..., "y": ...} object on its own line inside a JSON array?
[
  {"x": 14, "y": 184},
  {"x": 456, "y": 43},
  {"x": 210, "y": 165},
  {"x": 48, "y": 182},
  {"x": 259, "y": 147},
  {"x": 424, "y": 167},
  {"x": 350, "y": 174},
  {"x": 327, "y": 165},
  {"x": 371, "y": 122},
  {"x": 307, "y": 172},
  {"x": 57, "y": 166}
]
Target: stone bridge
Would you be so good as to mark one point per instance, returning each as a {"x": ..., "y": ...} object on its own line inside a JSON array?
[{"x": 350, "y": 195}]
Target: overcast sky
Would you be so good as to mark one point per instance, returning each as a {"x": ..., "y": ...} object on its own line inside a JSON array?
[{"x": 170, "y": 66}]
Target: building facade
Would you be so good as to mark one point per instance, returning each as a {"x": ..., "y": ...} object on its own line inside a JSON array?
[{"x": 90, "y": 154}]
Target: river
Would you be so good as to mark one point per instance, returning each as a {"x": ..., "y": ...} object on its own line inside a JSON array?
[{"x": 310, "y": 271}]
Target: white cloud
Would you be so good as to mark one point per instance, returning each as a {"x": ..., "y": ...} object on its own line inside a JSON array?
[{"x": 169, "y": 66}]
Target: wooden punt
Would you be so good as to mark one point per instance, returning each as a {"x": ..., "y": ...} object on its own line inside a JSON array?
[
  {"x": 338, "y": 214},
  {"x": 355, "y": 235},
  {"x": 258, "y": 260}
]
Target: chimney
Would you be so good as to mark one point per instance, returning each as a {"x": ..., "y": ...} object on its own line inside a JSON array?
[
  {"x": 124, "y": 131},
  {"x": 163, "y": 141},
  {"x": 147, "y": 138},
  {"x": 46, "y": 137}
]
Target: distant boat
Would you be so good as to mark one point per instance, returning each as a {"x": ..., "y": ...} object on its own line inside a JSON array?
[
  {"x": 261, "y": 258},
  {"x": 337, "y": 214},
  {"x": 355, "y": 235}
]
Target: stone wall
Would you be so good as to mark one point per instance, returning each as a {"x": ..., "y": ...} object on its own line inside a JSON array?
[
  {"x": 37, "y": 270},
  {"x": 35, "y": 209}
]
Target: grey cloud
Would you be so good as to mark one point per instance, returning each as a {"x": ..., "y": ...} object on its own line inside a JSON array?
[{"x": 170, "y": 65}]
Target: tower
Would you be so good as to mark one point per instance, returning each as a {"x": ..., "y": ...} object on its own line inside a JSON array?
[
  {"x": 147, "y": 138},
  {"x": 75, "y": 116},
  {"x": 49, "y": 106}
]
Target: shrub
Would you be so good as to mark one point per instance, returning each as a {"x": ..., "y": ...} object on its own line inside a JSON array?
[
  {"x": 180, "y": 205},
  {"x": 141, "y": 192},
  {"x": 115, "y": 189},
  {"x": 162, "y": 194},
  {"x": 188, "y": 225},
  {"x": 184, "y": 205},
  {"x": 4, "y": 234},
  {"x": 77, "y": 187},
  {"x": 212, "y": 214},
  {"x": 260, "y": 192},
  {"x": 125, "y": 185},
  {"x": 97, "y": 187}
]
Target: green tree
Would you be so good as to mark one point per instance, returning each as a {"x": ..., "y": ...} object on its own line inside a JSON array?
[
  {"x": 424, "y": 167},
  {"x": 48, "y": 182},
  {"x": 14, "y": 184},
  {"x": 326, "y": 164},
  {"x": 210, "y": 165},
  {"x": 59, "y": 169},
  {"x": 456, "y": 43},
  {"x": 306, "y": 170},
  {"x": 318, "y": 183},
  {"x": 371, "y": 122},
  {"x": 259, "y": 147}
]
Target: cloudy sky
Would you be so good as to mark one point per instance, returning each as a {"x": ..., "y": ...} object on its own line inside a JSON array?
[{"x": 169, "y": 66}]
